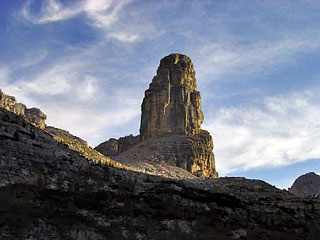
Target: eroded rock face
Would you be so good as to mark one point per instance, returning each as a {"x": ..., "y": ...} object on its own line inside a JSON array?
[
  {"x": 33, "y": 115},
  {"x": 307, "y": 185},
  {"x": 165, "y": 155},
  {"x": 36, "y": 117},
  {"x": 9, "y": 103},
  {"x": 172, "y": 103},
  {"x": 171, "y": 137},
  {"x": 113, "y": 147}
]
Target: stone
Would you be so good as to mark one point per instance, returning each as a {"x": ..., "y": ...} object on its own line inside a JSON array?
[
  {"x": 36, "y": 117},
  {"x": 307, "y": 185},
  {"x": 113, "y": 147},
  {"x": 191, "y": 153},
  {"x": 172, "y": 104},
  {"x": 49, "y": 191},
  {"x": 9, "y": 103},
  {"x": 109, "y": 148},
  {"x": 33, "y": 115},
  {"x": 239, "y": 234},
  {"x": 171, "y": 137}
]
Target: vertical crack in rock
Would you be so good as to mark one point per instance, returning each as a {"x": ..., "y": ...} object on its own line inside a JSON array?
[{"x": 172, "y": 104}]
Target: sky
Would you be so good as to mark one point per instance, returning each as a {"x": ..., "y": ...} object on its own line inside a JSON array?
[{"x": 87, "y": 63}]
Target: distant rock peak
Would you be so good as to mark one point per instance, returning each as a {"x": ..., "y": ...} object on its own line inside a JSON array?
[
  {"x": 172, "y": 104},
  {"x": 307, "y": 185}
]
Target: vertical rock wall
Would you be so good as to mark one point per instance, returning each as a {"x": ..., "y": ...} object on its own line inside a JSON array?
[
  {"x": 172, "y": 103},
  {"x": 170, "y": 128}
]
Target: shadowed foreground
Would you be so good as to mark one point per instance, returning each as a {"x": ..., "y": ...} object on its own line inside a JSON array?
[{"x": 49, "y": 191}]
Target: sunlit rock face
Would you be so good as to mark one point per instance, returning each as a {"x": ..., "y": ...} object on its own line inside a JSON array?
[
  {"x": 33, "y": 115},
  {"x": 9, "y": 103},
  {"x": 171, "y": 142},
  {"x": 172, "y": 103}
]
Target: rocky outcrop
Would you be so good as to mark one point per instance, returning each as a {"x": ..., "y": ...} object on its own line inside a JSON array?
[
  {"x": 307, "y": 185},
  {"x": 157, "y": 156},
  {"x": 171, "y": 137},
  {"x": 48, "y": 191},
  {"x": 32, "y": 115},
  {"x": 172, "y": 103},
  {"x": 113, "y": 147},
  {"x": 9, "y": 103},
  {"x": 36, "y": 117}
]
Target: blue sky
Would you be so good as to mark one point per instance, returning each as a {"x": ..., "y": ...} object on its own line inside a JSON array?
[{"x": 87, "y": 63}]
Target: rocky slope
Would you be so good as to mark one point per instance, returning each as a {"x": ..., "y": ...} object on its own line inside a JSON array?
[
  {"x": 48, "y": 191},
  {"x": 170, "y": 131},
  {"x": 79, "y": 145},
  {"x": 307, "y": 185}
]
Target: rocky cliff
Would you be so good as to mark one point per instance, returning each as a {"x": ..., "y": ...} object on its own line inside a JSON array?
[
  {"x": 32, "y": 115},
  {"x": 172, "y": 103},
  {"x": 170, "y": 129},
  {"x": 50, "y": 192},
  {"x": 307, "y": 185}
]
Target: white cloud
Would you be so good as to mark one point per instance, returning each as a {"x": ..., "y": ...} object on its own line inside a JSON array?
[
  {"x": 91, "y": 124},
  {"x": 54, "y": 80},
  {"x": 124, "y": 36},
  {"x": 72, "y": 99},
  {"x": 101, "y": 14},
  {"x": 51, "y": 11},
  {"x": 107, "y": 15},
  {"x": 284, "y": 131}
]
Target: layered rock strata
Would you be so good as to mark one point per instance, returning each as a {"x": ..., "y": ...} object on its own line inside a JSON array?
[
  {"x": 33, "y": 115},
  {"x": 113, "y": 147},
  {"x": 50, "y": 192},
  {"x": 170, "y": 129},
  {"x": 167, "y": 154},
  {"x": 172, "y": 104}
]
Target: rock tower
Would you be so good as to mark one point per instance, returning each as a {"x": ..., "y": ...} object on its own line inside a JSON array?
[
  {"x": 172, "y": 104},
  {"x": 170, "y": 128}
]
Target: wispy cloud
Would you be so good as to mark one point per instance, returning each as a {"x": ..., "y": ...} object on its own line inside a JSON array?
[
  {"x": 100, "y": 14},
  {"x": 284, "y": 131},
  {"x": 73, "y": 99},
  {"x": 231, "y": 58},
  {"x": 92, "y": 124},
  {"x": 55, "y": 80}
]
